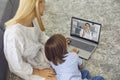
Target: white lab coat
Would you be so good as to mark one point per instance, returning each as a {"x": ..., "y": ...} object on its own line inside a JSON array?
[
  {"x": 23, "y": 48},
  {"x": 87, "y": 35}
]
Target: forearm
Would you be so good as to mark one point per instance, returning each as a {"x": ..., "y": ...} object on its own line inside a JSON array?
[{"x": 36, "y": 71}]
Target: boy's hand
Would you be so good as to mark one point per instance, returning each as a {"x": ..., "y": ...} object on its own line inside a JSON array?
[
  {"x": 75, "y": 50},
  {"x": 68, "y": 40}
]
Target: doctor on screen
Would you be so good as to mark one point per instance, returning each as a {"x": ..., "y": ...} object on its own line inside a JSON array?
[{"x": 85, "y": 32}]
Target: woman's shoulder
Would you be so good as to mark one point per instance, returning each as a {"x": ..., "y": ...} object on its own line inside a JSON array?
[
  {"x": 13, "y": 30},
  {"x": 12, "y": 27}
]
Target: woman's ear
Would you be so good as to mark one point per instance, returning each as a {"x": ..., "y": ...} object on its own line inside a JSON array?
[
  {"x": 42, "y": 7},
  {"x": 38, "y": 15}
]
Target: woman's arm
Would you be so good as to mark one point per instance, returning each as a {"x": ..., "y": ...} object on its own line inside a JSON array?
[
  {"x": 13, "y": 48},
  {"x": 43, "y": 37}
]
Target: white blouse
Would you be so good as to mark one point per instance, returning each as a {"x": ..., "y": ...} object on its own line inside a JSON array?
[{"x": 24, "y": 49}]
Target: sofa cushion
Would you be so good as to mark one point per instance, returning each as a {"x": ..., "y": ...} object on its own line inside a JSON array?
[{"x": 3, "y": 62}]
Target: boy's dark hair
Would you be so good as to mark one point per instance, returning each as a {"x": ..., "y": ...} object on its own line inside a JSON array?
[{"x": 56, "y": 48}]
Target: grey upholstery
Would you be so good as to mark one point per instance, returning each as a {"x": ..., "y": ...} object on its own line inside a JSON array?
[
  {"x": 8, "y": 13},
  {"x": 3, "y": 62}
]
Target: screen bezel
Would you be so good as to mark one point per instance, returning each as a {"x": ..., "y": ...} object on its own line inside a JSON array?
[{"x": 97, "y": 42}]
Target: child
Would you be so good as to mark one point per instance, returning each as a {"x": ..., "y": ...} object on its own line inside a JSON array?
[{"x": 65, "y": 63}]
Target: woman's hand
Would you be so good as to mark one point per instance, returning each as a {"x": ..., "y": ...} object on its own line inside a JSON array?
[
  {"x": 47, "y": 73},
  {"x": 51, "y": 78}
]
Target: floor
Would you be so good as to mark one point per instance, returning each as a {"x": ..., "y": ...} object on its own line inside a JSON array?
[{"x": 105, "y": 61}]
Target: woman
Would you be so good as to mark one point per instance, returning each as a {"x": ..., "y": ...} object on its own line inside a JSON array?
[{"x": 23, "y": 42}]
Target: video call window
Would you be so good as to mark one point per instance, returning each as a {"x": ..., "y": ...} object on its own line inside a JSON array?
[{"x": 85, "y": 29}]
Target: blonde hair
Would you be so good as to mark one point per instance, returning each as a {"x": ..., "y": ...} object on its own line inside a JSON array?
[{"x": 26, "y": 7}]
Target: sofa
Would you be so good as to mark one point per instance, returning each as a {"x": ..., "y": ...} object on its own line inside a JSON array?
[{"x": 8, "y": 13}]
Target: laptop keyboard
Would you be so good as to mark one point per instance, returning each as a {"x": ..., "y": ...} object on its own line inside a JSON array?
[{"x": 82, "y": 45}]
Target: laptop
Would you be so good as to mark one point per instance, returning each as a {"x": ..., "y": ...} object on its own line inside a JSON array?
[{"x": 84, "y": 35}]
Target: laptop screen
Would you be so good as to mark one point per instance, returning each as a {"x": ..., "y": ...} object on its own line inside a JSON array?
[{"x": 85, "y": 29}]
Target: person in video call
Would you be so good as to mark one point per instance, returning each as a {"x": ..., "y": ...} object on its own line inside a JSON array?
[
  {"x": 85, "y": 32},
  {"x": 24, "y": 40},
  {"x": 66, "y": 64}
]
